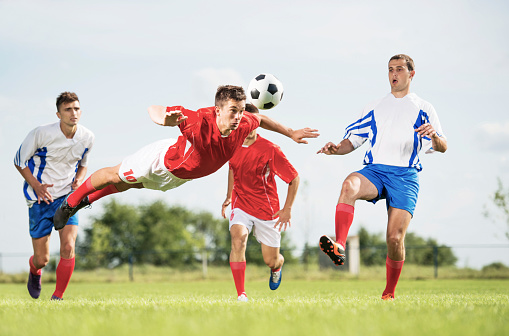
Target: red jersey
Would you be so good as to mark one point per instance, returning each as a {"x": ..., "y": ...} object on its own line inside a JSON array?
[
  {"x": 254, "y": 185},
  {"x": 201, "y": 149}
]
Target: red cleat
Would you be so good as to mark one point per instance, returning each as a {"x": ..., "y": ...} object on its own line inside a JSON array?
[{"x": 388, "y": 297}]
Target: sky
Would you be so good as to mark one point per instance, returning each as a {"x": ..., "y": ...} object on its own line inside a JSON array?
[{"x": 331, "y": 56}]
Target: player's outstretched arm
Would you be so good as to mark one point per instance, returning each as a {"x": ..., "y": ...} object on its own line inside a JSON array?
[
  {"x": 229, "y": 191},
  {"x": 159, "y": 115},
  {"x": 344, "y": 147},
  {"x": 296, "y": 135},
  {"x": 285, "y": 214},
  {"x": 439, "y": 144}
]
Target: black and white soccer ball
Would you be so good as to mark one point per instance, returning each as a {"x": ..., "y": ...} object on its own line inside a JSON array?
[{"x": 265, "y": 91}]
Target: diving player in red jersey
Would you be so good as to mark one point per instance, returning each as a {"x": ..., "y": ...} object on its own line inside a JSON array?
[
  {"x": 210, "y": 137},
  {"x": 252, "y": 193}
]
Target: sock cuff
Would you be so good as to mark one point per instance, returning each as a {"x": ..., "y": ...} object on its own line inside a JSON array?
[
  {"x": 237, "y": 265},
  {"x": 394, "y": 263},
  {"x": 345, "y": 207},
  {"x": 66, "y": 262},
  {"x": 88, "y": 184}
]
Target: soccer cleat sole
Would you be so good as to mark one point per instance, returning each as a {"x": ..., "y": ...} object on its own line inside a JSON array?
[{"x": 327, "y": 246}]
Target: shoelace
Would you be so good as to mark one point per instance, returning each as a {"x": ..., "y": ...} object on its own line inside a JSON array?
[{"x": 275, "y": 276}]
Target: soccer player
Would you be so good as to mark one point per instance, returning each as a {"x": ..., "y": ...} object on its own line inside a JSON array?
[
  {"x": 53, "y": 160},
  {"x": 210, "y": 137},
  {"x": 397, "y": 126},
  {"x": 253, "y": 194}
]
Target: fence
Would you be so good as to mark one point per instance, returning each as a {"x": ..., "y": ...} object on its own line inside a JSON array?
[{"x": 468, "y": 255}]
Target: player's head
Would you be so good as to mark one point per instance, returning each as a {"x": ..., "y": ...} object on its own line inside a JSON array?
[
  {"x": 68, "y": 108},
  {"x": 230, "y": 104},
  {"x": 401, "y": 72}
]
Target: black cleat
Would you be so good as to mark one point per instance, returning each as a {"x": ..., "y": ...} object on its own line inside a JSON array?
[
  {"x": 333, "y": 250},
  {"x": 65, "y": 211}
]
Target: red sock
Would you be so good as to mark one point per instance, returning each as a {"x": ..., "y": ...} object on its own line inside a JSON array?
[
  {"x": 239, "y": 274},
  {"x": 393, "y": 270},
  {"x": 344, "y": 219},
  {"x": 33, "y": 269},
  {"x": 111, "y": 189},
  {"x": 83, "y": 191},
  {"x": 64, "y": 271}
]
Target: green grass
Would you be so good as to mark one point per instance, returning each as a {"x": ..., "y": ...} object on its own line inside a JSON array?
[{"x": 299, "y": 307}]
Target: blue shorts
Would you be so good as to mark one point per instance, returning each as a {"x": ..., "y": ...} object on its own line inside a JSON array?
[
  {"x": 41, "y": 217},
  {"x": 398, "y": 185}
]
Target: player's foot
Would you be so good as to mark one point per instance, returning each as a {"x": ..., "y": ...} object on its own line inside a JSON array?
[
  {"x": 56, "y": 298},
  {"x": 242, "y": 298},
  {"x": 275, "y": 278},
  {"x": 388, "y": 297},
  {"x": 65, "y": 211},
  {"x": 34, "y": 285},
  {"x": 335, "y": 251}
]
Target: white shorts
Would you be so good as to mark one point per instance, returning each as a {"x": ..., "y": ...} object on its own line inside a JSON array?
[
  {"x": 263, "y": 230},
  {"x": 147, "y": 166}
]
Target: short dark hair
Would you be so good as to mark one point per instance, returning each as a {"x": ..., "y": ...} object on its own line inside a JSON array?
[
  {"x": 229, "y": 92},
  {"x": 409, "y": 61},
  {"x": 66, "y": 97},
  {"x": 251, "y": 108}
]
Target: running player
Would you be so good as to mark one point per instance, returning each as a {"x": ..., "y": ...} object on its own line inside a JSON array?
[
  {"x": 53, "y": 160},
  {"x": 255, "y": 204},
  {"x": 397, "y": 126},
  {"x": 210, "y": 137}
]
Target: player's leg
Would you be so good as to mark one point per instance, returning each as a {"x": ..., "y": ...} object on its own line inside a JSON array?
[
  {"x": 274, "y": 260},
  {"x": 37, "y": 261},
  {"x": 66, "y": 264},
  {"x": 397, "y": 226},
  {"x": 356, "y": 186},
  {"x": 239, "y": 235}
]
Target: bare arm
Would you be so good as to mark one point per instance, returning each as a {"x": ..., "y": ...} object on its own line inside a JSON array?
[
  {"x": 439, "y": 144},
  {"x": 285, "y": 214},
  {"x": 41, "y": 190},
  {"x": 80, "y": 176},
  {"x": 344, "y": 147},
  {"x": 159, "y": 115},
  {"x": 229, "y": 191},
  {"x": 296, "y": 135}
]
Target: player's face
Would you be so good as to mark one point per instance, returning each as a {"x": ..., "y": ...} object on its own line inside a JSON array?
[
  {"x": 69, "y": 113},
  {"x": 230, "y": 114},
  {"x": 399, "y": 75}
]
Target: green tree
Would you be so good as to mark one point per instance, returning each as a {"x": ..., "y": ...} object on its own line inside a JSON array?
[{"x": 500, "y": 199}]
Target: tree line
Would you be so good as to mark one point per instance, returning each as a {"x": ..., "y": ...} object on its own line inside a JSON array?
[{"x": 171, "y": 235}]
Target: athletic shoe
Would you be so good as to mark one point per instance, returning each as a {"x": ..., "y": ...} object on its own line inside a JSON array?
[
  {"x": 242, "y": 298},
  {"x": 34, "y": 285},
  {"x": 56, "y": 298},
  {"x": 388, "y": 297},
  {"x": 333, "y": 250},
  {"x": 275, "y": 279},
  {"x": 65, "y": 211}
]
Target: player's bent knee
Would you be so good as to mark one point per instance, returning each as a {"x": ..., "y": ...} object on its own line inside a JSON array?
[{"x": 41, "y": 261}]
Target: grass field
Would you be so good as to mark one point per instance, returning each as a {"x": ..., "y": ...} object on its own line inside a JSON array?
[{"x": 298, "y": 307}]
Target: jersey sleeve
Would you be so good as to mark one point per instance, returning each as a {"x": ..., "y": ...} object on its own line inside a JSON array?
[
  {"x": 432, "y": 118},
  {"x": 84, "y": 159},
  {"x": 27, "y": 149},
  {"x": 358, "y": 131},
  {"x": 281, "y": 166}
]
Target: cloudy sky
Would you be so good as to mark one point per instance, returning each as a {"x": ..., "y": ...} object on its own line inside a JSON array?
[{"x": 122, "y": 56}]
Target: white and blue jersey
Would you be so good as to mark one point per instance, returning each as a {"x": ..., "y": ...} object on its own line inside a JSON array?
[
  {"x": 52, "y": 158},
  {"x": 389, "y": 124}
]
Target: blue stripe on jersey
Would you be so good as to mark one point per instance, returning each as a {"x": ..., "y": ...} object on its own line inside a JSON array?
[
  {"x": 78, "y": 163},
  {"x": 368, "y": 158},
  {"x": 17, "y": 159},
  {"x": 422, "y": 119},
  {"x": 31, "y": 166},
  {"x": 41, "y": 152}
]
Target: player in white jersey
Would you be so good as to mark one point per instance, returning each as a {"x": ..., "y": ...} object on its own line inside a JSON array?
[
  {"x": 53, "y": 160},
  {"x": 397, "y": 127}
]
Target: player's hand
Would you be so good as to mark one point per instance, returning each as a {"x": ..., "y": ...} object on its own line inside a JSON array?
[
  {"x": 225, "y": 205},
  {"x": 75, "y": 184},
  {"x": 298, "y": 135},
  {"x": 174, "y": 118},
  {"x": 329, "y": 149},
  {"x": 426, "y": 130},
  {"x": 284, "y": 219},
  {"x": 43, "y": 194}
]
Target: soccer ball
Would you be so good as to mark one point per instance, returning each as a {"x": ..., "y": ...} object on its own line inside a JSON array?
[{"x": 265, "y": 91}]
